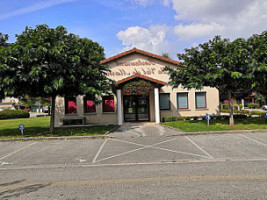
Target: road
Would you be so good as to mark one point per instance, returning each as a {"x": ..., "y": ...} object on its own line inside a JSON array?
[{"x": 141, "y": 162}]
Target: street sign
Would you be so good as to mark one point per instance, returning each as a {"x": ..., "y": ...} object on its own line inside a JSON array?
[
  {"x": 208, "y": 117},
  {"x": 265, "y": 115},
  {"x": 21, "y": 127}
]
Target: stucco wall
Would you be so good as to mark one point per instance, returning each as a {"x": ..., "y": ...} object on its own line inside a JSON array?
[{"x": 129, "y": 65}]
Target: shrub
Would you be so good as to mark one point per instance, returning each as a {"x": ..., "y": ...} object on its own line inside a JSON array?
[
  {"x": 12, "y": 114},
  {"x": 253, "y": 105},
  {"x": 224, "y": 106},
  {"x": 236, "y": 106},
  {"x": 240, "y": 116},
  {"x": 241, "y": 106},
  {"x": 172, "y": 118},
  {"x": 224, "y": 110}
]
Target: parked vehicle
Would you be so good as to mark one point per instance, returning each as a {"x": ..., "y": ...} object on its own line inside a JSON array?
[{"x": 264, "y": 107}]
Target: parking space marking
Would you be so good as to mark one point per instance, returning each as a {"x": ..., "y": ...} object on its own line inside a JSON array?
[
  {"x": 160, "y": 148},
  {"x": 161, "y": 130},
  {"x": 253, "y": 140},
  {"x": 18, "y": 150},
  {"x": 134, "y": 133},
  {"x": 199, "y": 147},
  {"x": 99, "y": 150},
  {"x": 149, "y": 146}
]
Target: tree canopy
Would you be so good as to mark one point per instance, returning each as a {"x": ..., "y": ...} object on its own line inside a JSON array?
[
  {"x": 258, "y": 47},
  {"x": 48, "y": 62},
  {"x": 217, "y": 63}
]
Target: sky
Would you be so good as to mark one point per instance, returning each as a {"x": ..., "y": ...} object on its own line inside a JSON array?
[{"x": 156, "y": 26}]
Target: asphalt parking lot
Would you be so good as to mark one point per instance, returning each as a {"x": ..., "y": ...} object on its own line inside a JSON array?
[{"x": 133, "y": 145}]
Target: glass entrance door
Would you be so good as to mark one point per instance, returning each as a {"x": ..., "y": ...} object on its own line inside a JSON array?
[{"x": 136, "y": 108}]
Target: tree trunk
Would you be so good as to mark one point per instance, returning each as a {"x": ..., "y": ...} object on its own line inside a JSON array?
[
  {"x": 52, "y": 118},
  {"x": 230, "y": 103}
]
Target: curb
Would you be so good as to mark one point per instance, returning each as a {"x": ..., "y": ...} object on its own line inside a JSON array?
[
  {"x": 55, "y": 138},
  {"x": 216, "y": 132},
  {"x": 105, "y": 135},
  {"x": 110, "y": 131}
]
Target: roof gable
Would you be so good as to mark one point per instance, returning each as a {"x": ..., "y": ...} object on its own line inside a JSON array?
[
  {"x": 138, "y": 51},
  {"x": 137, "y": 75}
]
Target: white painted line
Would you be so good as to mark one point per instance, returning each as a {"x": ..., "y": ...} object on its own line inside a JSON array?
[
  {"x": 253, "y": 140},
  {"x": 199, "y": 147},
  {"x": 148, "y": 146},
  {"x": 142, "y": 144},
  {"x": 4, "y": 163},
  {"x": 134, "y": 133},
  {"x": 127, "y": 152},
  {"x": 139, "y": 129},
  {"x": 99, "y": 150},
  {"x": 128, "y": 142},
  {"x": 18, "y": 150},
  {"x": 121, "y": 154},
  {"x": 82, "y": 160},
  {"x": 161, "y": 130},
  {"x": 180, "y": 152}
]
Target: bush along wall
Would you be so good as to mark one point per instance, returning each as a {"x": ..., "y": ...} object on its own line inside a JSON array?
[
  {"x": 245, "y": 112},
  {"x": 12, "y": 114},
  {"x": 215, "y": 117}
]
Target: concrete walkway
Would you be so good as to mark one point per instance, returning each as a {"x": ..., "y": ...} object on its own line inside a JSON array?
[{"x": 144, "y": 130}]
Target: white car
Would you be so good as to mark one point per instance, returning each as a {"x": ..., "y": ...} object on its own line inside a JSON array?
[{"x": 264, "y": 107}]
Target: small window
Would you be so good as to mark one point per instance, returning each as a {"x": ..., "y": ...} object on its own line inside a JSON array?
[
  {"x": 164, "y": 101},
  {"x": 182, "y": 100},
  {"x": 200, "y": 100},
  {"x": 70, "y": 105},
  {"x": 89, "y": 105},
  {"x": 108, "y": 103}
]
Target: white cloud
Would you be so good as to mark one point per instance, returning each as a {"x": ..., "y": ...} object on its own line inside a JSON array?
[
  {"x": 238, "y": 18},
  {"x": 153, "y": 39},
  {"x": 39, "y": 5},
  {"x": 198, "y": 21},
  {"x": 192, "y": 31}
]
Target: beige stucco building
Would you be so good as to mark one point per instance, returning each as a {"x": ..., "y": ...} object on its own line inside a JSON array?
[{"x": 162, "y": 101}]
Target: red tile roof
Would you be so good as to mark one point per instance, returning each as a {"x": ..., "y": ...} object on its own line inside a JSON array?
[
  {"x": 135, "y": 50},
  {"x": 137, "y": 75}
]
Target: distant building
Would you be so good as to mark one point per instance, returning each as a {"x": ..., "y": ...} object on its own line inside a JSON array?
[{"x": 8, "y": 103}]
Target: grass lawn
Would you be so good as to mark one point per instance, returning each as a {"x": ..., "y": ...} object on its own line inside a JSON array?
[
  {"x": 37, "y": 127},
  {"x": 219, "y": 125}
]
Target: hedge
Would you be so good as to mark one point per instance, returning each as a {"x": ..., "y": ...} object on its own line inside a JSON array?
[
  {"x": 214, "y": 117},
  {"x": 12, "y": 114},
  {"x": 245, "y": 112},
  {"x": 253, "y": 105}
]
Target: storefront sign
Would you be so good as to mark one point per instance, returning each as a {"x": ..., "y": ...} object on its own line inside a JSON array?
[
  {"x": 147, "y": 62},
  {"x": 143, "y": 71}
]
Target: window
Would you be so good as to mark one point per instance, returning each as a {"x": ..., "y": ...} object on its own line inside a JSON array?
[
  {"x": 108, "y": 103},
  {"x": 164, "y": 101},
  {"x": 89, "y": 105},
  {"x": 182, "y": 100},
  {"x": 70, "y": 105},
  {"x": 201, "y": 100}
]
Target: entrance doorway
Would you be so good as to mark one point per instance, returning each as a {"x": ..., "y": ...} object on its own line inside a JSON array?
[{"x": 136, "y": 108}]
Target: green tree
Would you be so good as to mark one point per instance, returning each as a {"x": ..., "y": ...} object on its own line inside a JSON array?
[
  {"x": 3, "y": 67},
  {"x": 217, "y": 63},
  {"x": 258, "y": 47},
  {"x": 47, "y": 62},
  {"x": 165, "y": 55}
]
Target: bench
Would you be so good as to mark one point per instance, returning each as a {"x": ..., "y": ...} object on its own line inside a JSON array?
[{"x": 74, "y": 121}]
